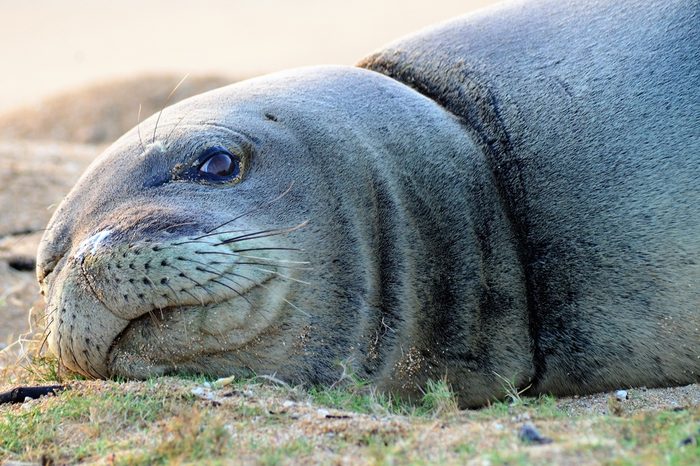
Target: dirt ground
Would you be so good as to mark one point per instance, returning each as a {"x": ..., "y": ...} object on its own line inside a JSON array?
[{"x": 44, "y": 150}]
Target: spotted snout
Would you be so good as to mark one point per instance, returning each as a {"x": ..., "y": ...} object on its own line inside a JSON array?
[{"x": 112, "y": 278}]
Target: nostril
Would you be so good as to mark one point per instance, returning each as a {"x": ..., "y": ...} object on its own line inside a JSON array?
[
  {"x": 43, "y": 270},
  {"x": 44, "y": 266}
]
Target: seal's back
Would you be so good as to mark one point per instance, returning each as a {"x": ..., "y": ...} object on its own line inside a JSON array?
[{"x": 589, "y": 116}]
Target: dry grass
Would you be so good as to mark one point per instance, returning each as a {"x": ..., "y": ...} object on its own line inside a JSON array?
[{"x": 189, "y": 420}]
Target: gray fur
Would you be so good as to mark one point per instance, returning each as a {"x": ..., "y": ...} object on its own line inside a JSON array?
[
  {"x": 589, "y": 113},
  {"x": 519, "y": 201}
]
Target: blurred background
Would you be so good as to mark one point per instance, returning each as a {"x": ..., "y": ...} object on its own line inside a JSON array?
[{"x": 47, "y": 46}]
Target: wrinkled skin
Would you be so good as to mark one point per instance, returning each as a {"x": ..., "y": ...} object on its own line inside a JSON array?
[
  {"x": 314, "y": 169},
  {"x": 504, "y": 207}
]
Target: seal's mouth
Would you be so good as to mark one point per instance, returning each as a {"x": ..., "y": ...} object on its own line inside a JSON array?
[
  {"x": 143, "y": 308},
  {"x": 160, "y": 318},
  {"x": 178, "y": 338}
]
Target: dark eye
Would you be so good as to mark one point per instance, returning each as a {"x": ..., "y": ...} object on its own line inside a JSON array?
[{"x": 220, "y": 163}]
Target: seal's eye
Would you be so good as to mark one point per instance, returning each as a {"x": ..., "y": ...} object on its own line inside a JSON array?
[{"x": 218, "y": 164}]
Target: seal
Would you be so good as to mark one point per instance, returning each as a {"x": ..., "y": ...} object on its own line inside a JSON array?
[{"x": 510, "y": 195}]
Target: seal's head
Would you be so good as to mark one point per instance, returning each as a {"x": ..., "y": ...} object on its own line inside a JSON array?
[
  {"x": 239, "y": 232},
  {"x": 172, "y": 250}
]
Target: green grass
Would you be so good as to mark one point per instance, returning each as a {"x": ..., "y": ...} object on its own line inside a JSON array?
[
  {"x": 41, "y": 426},
  {"x": 359, "y": 398},
  {"x": 160, "y": 421},
  {"x": 438, "y": 399}
]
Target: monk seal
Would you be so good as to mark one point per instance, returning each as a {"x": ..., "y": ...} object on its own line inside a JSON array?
[{"x": 513, "y": 194}]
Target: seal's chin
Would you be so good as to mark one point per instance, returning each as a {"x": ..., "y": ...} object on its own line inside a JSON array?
[{"x": 188, "y": 339}]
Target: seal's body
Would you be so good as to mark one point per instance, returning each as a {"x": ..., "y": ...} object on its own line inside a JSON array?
[{"x": 510, "y": 195}]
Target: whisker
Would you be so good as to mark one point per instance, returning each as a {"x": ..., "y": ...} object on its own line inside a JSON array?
[
  {"x": 243, "y": 276},
  {"x": 149, "y": 279},
  {"x": 165, "y": 105},
  {"x": 272, "y": 232},
  {"x": 283, "y": 276},
  {"x": 44, "y": 340},
  {"x": 171, "y": 289},
  {"x": 234, "y": 290},
  {"x": 184, "y": 275},
  {"x": 201, "y": 285},
  {"x": 49, "y": 314},
  {"x": 215, "y": 298},
  {"x": 155, "y": 321},
  {"x": 167, "y": 138},
  {"x": 138, "y": 129},
  {"x": 60, "y": 351},
  {"x": 205, "y": 264},
  {"x": 271, "y": 259},
  {"x": 197, "y": 298},
  {"x": 263, "y": 234},
  {"x": 250, "y": 237},
  {"x": 196, "y": 240},
  {"x": 245, "y": 250},
  {"x": 209, "y": 232},
  {"x": 285, "y": 261},
  {"x": 211, "y": 271},
  {"x": 192, "y": 242},
  {"x": 168, "y": 227},
  {"x": 75, "y": 360},
  {"x": 204, "y": 267},
  {"x": 291, "y": 267},
  {"x": 297, "y": 308}
]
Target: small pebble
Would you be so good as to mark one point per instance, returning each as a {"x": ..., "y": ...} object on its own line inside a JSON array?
[
  {"x": 529, "y": 434},
  {"x": 203, "y": 393},
  {"x": 322, "y": 412},
  {"x": 221, "y": 383},
  {"x": 691, "y": 439},
  {"x": 621, "y": 395},
  {"x": 288, "y": 404}
]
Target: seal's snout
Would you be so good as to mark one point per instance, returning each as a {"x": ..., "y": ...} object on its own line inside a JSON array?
[
  {"x": 45, "y": 265},
  {"x": 144, "y": 271},
  {"x": 148, "y": 222},
  {"x": 91, "y": 244}
]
